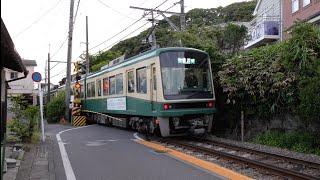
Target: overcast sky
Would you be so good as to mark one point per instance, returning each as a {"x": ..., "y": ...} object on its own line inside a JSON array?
[{"x": 34, "y": 24}]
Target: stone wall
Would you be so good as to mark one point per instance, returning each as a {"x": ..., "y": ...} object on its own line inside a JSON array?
[{"x": 254, "y": 126}]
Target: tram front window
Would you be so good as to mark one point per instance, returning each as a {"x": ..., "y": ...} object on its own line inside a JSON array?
[{"x": 186, "y": 75}]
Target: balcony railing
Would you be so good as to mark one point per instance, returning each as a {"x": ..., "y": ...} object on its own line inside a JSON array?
[{"x": 263, "y": 30}]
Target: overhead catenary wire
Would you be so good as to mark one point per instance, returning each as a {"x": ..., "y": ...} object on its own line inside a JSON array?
[{"x": 38, "y": 19}]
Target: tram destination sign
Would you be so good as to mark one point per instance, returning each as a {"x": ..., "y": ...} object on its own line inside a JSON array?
[{"x": 186, "y": 61}]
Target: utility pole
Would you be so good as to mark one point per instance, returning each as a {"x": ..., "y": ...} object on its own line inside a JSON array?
[
  {"x": 69, "y": 56},
  {"x": 182, "y": 16},
  {"x": 87, "y": 60},
  {"x": 46, "y": 73},
  {"x": 172, "y": 25},
  {"x": 48, "y": 92}
]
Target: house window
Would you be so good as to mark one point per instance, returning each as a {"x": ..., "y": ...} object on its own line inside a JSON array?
[
  {"x": 130, "y": 82},
  {"x": 306, "y": 2},
  {"x": 13, "y": 75},
  {"x": 142, "y": 80},
  {"x": 295, "y": 5}
]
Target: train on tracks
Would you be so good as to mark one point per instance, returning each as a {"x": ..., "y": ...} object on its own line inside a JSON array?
[{"x": 167, "y": 91}]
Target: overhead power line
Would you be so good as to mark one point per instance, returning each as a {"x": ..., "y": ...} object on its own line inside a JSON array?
[
  {"x": 126, "y": 36},
  {"x": 63, "y": 43},
  {"x": 122, "y": 14},
  {"x": 59, "y": 73},
  {"x": 133, "y": 31},
  {"x": 126, "y": 28},
  {"x": 38, "y": 19},
  {"x": 75, "y": 16},
  {"x": 117, "y": 33}
]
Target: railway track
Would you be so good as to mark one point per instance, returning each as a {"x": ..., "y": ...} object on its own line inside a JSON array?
[
  {"x": 283, "y": 166},
  {"x": 266, "y": 154}
]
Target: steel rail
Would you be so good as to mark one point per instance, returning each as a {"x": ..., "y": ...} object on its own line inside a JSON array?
[
  {"x": 251, "y": 150},
  {"x": 278, "y": 170}
]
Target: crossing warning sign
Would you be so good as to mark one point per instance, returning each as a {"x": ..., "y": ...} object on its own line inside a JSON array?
[{"x": 79, "y": 121}]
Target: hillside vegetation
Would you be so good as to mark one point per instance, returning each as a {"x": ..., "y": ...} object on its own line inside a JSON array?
[{"x": 201, "y": 32}]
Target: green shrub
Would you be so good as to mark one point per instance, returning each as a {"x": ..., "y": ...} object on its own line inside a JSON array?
[
  {"x": 279, "y": 78},
  {"x": 35, "y": 138},
  {"x": 309, "y": 97},
  {"x": 20, "y": 129},
  {"x": 25, "y": 121},
  {"x": 296, "y": 141},
  {"x": 55, "y": 109},
  {"x": 33, "y": 115}
]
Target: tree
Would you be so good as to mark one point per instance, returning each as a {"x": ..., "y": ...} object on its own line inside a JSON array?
[
  {"x": 234, "y": 37},
  {"x": 55, "y": 109}
]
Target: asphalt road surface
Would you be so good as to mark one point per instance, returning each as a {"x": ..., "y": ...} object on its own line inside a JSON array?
[{"x": 99, "y": 153}]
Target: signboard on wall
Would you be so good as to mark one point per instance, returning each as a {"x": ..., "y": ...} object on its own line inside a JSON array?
[{"x": 117, "y": 103}]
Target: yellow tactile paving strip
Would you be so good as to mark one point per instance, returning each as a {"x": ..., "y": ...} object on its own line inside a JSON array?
[{"x": 227, "y": 173}]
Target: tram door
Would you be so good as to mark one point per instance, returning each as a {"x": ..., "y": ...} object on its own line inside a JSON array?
[{"x": 153, "y": 86}]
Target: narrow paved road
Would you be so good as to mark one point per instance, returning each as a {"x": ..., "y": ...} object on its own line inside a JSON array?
[{"x": 98, "y": 152}]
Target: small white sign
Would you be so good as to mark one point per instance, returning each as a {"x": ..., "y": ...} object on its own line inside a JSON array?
[{"x": 116, "y": 103}]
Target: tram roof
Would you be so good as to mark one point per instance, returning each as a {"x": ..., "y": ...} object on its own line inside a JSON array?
[
  {"x": 137, "y": 58},
  {"x": 140, "y": 57}
]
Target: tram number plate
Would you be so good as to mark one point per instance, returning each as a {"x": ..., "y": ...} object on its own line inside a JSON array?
[{"x": 116, "y": 103}]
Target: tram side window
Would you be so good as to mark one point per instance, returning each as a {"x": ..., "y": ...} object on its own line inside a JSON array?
[
  {"x": 93, "y": 89},
  {"x": 119, "y": 83},
  {"x": 81, "y": 91},
  {"x": 112, "y": 82},
  {"x": 142, "y": 80},
  {"x": 105, "y": 86},
  {"x": 88, "y": 90},
  {"x": 98, "y": 87},
  {"x": 154, "y": 78},
  {"x": 130, "y": 82}
]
